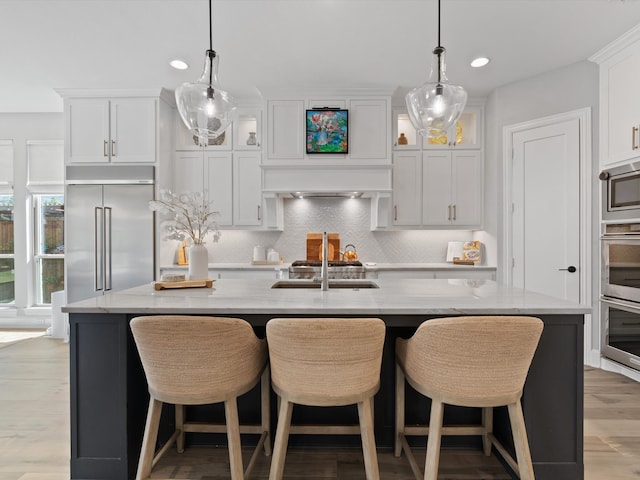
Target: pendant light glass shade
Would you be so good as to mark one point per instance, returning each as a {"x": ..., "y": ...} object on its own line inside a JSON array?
[
  {"x": 205, "y": 109},
  {"x": 437, "y": 105}
]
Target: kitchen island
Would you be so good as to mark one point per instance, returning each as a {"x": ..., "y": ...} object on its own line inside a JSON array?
[{"x": 108, "y": 388}]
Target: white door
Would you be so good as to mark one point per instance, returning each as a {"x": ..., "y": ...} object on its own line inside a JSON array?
[{"x": 546, "y": 209}]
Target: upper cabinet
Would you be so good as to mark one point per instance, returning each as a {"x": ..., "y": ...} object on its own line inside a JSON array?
[
  {"x": 368, "y": 129},
  {"x": 465, "y": 134},
  {"x": 286, "y": 129},
  {"x": 619, "y": 99},
  {"x": 247, "y": 129},
  {"x": 116, "y": 130}
]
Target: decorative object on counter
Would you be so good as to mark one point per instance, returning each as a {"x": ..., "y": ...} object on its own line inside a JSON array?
[
  {"x": 172, "y": 277},
  {"x": 252, "y": 139},
  {"x": 314, "y": 246},
  {"x": 205, "y": 109},
  {"x": 198, "y": 262},
  {"x": 204, "y": 283},
  {"x": 182, "y": 254},
  {"x": 259, "y": 254},
  {"x": 402, "y": 140},
  {"x": 327, "y": 130},
  {"x": 349, "y": 254},
  {"x": 192, "y": 218},
  {"x": 471, "y": 251},
  {"x": 436, "y": 105},
  {"x": 273, "y": 256}
]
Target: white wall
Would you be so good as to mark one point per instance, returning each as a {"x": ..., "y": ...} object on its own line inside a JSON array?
[
  {"x": 21, "y": 127},
  {"x": 569, "y": 88},
  {"x": 348, "y": 217}
]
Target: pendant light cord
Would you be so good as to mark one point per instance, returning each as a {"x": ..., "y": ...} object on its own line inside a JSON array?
[
  {"x": 439, "y": 49},
  {"x": 211, "y": 53}
]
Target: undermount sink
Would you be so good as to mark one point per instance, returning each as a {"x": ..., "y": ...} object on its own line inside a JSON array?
[{"x": 352, "y": 284}]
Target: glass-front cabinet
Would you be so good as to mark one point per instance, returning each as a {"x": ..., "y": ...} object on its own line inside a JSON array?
[
  {"x": 247, "y": 129},
  {"x": 467, "y": 133}
]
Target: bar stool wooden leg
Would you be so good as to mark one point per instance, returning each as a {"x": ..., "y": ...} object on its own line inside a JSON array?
[
  {"x": 523, "y": 455},
  {"x": 433, "y": 443},
  {"x": 149, "y": 440},
  {"x": 487, "y": 425},
  {"x": 400, "y": 380},
  {"x": 233, "y": 439},
  {"x": 265, "y": 401},
  {"x": 365, "y": 412},
  {"x": 282, "y": 438},
  {"x": 180, "y": 427}
]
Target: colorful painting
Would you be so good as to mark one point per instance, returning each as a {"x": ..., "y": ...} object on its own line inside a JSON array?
[{"x": 327, "y": 131}]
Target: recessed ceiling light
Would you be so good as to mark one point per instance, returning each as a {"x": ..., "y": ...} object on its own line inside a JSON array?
[
  {"x": 479, "y": 62},
  {"x": 179, "y": 64}
]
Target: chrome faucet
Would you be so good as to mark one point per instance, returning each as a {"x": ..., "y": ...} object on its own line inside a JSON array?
[{"x": 324, "y": 271}]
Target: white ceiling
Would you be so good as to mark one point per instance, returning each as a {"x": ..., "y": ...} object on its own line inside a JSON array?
[{"x": 47, "y": 44}]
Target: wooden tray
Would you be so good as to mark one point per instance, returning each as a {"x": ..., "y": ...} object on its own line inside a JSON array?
[{"x": 184, "y": 284}]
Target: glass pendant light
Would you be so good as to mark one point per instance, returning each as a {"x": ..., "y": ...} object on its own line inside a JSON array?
[
  {"x": 437, "y": 104},
  {"x": 206, "y": 109}
]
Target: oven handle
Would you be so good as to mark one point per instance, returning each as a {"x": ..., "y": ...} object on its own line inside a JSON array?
[
  {"x": 621, "y": 236},
  {"x": 620, "y": 303}
]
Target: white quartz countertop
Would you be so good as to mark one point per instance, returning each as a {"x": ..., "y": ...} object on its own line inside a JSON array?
[
  {"x": 372, "y": 266},
  {"x": 394, "y": 297}
]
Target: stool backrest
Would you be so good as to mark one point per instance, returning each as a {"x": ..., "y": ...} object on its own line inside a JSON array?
[
  {"x": 198, "y": 360},
  {"x": 471, "y": 361},
  {"x": 325, "y": 361}
]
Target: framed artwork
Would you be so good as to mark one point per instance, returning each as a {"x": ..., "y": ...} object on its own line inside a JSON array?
[{"x": 327, "y": 130}]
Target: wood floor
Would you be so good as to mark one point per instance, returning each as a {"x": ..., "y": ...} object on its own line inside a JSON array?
[{"x": 34, "y": 431}]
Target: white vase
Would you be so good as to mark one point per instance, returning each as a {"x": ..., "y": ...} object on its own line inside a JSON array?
[{"x": 198, "y": 262}]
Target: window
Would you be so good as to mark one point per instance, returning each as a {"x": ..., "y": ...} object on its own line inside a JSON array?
[
  {"x": 7, "y": 266},
  {"x": 49, "y": 246}
]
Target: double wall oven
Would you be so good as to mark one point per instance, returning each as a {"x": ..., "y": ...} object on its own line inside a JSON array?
[{"x": 620, "y": 300}]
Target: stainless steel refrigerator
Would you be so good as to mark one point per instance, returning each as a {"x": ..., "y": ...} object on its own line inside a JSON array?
[{"x": 109, "y": 229}]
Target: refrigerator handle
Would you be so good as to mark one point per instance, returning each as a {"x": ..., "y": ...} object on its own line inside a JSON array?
[
  {"x": 107, "y": 248},
  {"x": 98, "y": 250}
]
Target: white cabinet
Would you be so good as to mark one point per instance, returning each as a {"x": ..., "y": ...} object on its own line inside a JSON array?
[
  {"x": 247, "y": 129},
  {"x": 442, "y": 188},
  {"x": 211, "y": 173},
  {"x": 285, "y": 127},
  {"x": 231, "y": 180},
  {"x": 369, "y": 129},
  {"x": 407, "y": 188},
  {"x": 452, "y": 188},
  {"x": 428, "y": 273},
  {"x": 247, "y": 189},
  {"x": 466, "y": 134},
  {"x": 620, "y": 99},
  {"x": 117, "y": 130}
]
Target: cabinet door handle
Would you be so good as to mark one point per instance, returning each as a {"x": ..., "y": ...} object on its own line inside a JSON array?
[
  {"x": 259, "y": 213},
  {"x": 113, "y": 148},
  {"x": 449, "y": 212},
  {"x": 454, "y": 211},
  {"x": 395, "y": 213},
  {"x": 104, "y": 149},
  {"x": 634, "y": 131}
]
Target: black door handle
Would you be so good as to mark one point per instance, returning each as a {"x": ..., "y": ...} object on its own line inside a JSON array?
[{"x": 570, "y": 269}]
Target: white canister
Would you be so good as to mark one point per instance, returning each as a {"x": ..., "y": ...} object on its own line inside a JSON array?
[
  {"x": 273, "y": 256},
  {"x": 259, "y": 254}
]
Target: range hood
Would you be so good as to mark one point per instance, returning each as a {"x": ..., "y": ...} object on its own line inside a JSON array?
[
  {"x": 326, "y": 194},
  {"x": 326, "y": 180}
]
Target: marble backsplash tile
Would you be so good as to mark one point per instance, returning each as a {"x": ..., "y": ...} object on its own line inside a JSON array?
[{"x": 348, "y": 217}]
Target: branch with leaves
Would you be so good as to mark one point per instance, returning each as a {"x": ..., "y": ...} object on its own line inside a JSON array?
[{"x": 188, "y": 216}]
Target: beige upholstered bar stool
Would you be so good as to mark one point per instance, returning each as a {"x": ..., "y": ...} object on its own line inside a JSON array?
[
  {"x": 325, "y": 362},
  {"x": 191, "y": 360},
  {"x": 470, "y": 362}
]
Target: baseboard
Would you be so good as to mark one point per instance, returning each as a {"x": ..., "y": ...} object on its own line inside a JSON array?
[{"x": 612, "y": 366}]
